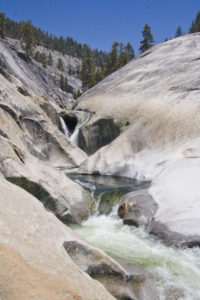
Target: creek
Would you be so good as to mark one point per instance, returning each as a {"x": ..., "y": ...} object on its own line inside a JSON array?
[
  {"x": 176, "y": 271},
  {"x": 83, "y": 117}
]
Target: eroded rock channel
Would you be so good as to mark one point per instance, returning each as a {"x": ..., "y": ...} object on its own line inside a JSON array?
[{"x": 159, "y": 271}]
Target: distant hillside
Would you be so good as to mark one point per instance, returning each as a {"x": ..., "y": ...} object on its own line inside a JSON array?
[
  {"x": 43, "y": 80},
  {"x": 95, "y": 64}
]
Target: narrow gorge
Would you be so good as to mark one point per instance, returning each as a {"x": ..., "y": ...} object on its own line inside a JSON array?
[{"x": 100, "y": 196}]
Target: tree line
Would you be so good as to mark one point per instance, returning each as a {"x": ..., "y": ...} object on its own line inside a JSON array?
[{"x": 96, "y": 64}]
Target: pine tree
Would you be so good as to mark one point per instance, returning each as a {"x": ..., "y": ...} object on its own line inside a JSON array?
[
  {"x": 196, "y": 24},
  {"x": 2, "y": 25},
  {"x": 50, "y": 60},
  {"x": 28, "y": 39},
  {"x": 126, "y": 53},
  {"x": 62, "y": 82},
  {"x": 148, "y": 40},
  {"x": 60, "y": 65},
  {"x": 88, "y": 68},
  {"x": 178, "y": 32},
  {"x": 123, "y": 58},
  {"x": 113, "y": 59},
  {"x": 130, "y": 51},
  {"x": 99, "y": 75},
  {"x": 37, "y": 55},
  {"x": 76, "y": 94},
  {"x": 44, "y": 60}
]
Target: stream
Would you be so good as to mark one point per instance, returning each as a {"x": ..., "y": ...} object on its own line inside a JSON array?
[
  {"x": 83, "y": 117},
  {"x": 176, "y": 271}
]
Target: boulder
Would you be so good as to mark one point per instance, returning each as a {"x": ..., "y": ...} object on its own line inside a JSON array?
[
  {"x": 120, "y": 283},
  {"x": 157, "y": 94},
  {"x": 176, "y": 191},
  {"x": 137, "y": 208},
  {"x": 34, "y": 263},
  {"x": 97, "y": 133},
  {"x": 70, "y": 202}
]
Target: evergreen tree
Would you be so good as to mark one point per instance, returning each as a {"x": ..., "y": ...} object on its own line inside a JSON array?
[
  {"x": 44, "y": 60},
  {"x": 2, "y": 25},
  {"x": 66, "y": 84},
  {"x": 37, "y": 56},
  {"x": 60, "y": 65},
  {"x": 50, "y": 60},
  {"x": 100, "y": 74},
  {"x": 196, "y": 24},
  {"x": 130, "y": 51},
  {"x": 123, "y": 58},
  {"x": 76, "y": 94},
  {"x": 88, "y": 68},
  {"x": 62, "y": 82},
  {"x": 126, "y": 53},
  {"x": 148, "y": 40},
  {"x": 28, "y": 39},
  {"x": 178, "y": 32},
  {"x": 113, "y": 59}
]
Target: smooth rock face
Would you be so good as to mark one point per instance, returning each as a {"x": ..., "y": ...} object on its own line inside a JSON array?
[
  {"x": 137, "y": 208},
  {"x": 157, "y": 96},
  {"x": 176, "y": 191},
  {"x": 32, "y": 74},
  {"x": 97, "y": 134},
  {"x": 65, "y": 198},
  {"x": 120, "y": 283},
  {"x": 21, "y": 281},
  {"x": 34, "y": 263},
  {"x": 31, "y": 123}
]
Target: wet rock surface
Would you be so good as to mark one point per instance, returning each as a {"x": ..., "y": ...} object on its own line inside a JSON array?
[
  {"x": 70, "y": 120},
  {"x": 157, "y": 94},
  {"x": 172, "y": 238},
  {"x": 120, "y": 283},
  {"x": 97, "y": 134},
  {"x": 137, "y": 208}
]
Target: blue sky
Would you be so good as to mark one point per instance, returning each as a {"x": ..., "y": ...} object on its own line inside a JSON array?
[{"x": 101, "y": 22}]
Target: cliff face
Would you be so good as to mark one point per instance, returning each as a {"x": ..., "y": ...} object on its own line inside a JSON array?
[
  {"x": 43, "y": 81},
  {"x": 155, "y": 100},
  {"x": 157, "y": 93},
  {"x": 40, "y": 257},
  {"x": 34, "y": 263}
]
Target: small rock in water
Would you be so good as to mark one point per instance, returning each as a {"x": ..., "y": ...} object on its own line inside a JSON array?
[{"x": 137, "y": 208}]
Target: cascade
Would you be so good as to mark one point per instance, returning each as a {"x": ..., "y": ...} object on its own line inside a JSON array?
[
  {"x": 83, "y": 118},
  {"x": 176, "y": 271},
  {"x": 64, "y": 127}
]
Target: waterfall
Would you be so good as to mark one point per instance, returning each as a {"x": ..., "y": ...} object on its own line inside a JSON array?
[
  {"x": 83, "y": 118},
  {"x": 64, "y": 127},
  {"x": 176, "y": 271}
]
